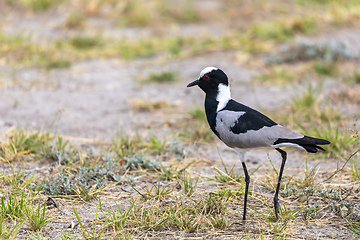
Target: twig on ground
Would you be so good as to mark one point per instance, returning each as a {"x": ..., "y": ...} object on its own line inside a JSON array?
[{"x": 340, "y": 169}]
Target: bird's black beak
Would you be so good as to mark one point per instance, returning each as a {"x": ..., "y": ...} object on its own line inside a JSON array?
[{"x": 196, "y": 82}]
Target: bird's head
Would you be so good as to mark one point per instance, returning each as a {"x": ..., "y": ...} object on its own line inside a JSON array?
[{"x": 210, "y": 79}]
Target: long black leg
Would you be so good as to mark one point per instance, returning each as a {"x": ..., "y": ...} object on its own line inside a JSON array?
[
  {"x": 247, "y": 181},
  {"x": 276, "y": 199}
]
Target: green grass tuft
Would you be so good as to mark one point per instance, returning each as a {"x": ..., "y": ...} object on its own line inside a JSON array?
[
  {"x": 325, "y": 68},
  {"x": 75, "y": 20},
  {"x": 198, "y": 113},
  {"x": 95, "y": 231},
  {"x": 163, "y": 77},
  {"x": 197, "y": 130},
  {"x": 342, "y": 141},
  {"x": 58, "y": 63},
  {"x": 187, "y": 184},
  {"x": 9, "y": 230},
  {"x": 85, "y": 42},
  {"x": 355, "y": 171},
  {"x": 40, "y": 5},
  {"x": 282, "y": 30},
  {"x": 23, "y": 142},
  {"x": 37, "y": 217}
]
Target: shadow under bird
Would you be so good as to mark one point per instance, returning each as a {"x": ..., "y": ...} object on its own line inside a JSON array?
[{"x": 243, "y": 128}]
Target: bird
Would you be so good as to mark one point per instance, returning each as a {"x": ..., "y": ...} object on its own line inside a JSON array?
[{"x": 243, "y": 128}]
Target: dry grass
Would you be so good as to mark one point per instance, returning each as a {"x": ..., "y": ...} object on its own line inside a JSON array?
[
  {"x": 144, "y": 105},
  {"x": 127, "y": 197},
  {"x": 256, "y": 34}
]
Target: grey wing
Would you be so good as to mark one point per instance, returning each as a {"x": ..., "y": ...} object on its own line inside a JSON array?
[{"x": 262, "y": 136}]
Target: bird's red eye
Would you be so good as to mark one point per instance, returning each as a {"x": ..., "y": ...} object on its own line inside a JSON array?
[{"x": 206, "y": 77}]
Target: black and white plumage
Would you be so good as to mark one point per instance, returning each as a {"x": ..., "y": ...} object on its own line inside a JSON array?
[{"x": 243, "y": 128}]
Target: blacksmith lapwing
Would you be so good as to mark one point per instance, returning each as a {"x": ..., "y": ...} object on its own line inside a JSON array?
[{"x": 243, "y": 128}]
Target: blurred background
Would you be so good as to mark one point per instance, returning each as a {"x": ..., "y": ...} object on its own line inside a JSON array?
[
  {"x": 92, "y": 68},
  {"x": 93, "y": 103}
]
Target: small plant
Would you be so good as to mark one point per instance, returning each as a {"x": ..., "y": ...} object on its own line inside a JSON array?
[
  {"x": 9, "y": 230},
  {"x": 124, "y": 235},
  {"x": 137, "y": 12},
  {"x": 155, "y": 192},
  {"x": 284, "y": 214},
  {"x": 144, "y": 105},
  {"x": 307, "y": 100},
  {"x": 355, "y": 171},
  {"x": 278, "y": 229},
  {"x": 31, "y": 142},
  {"x": 150, "y": 219},
  {"x": 352, "y": 226},
  {"x": 85, "y": 42},
  {"x": 341, "y": 141},
  {"x": 310, "y": 176},
  {"x": 131, "y": 149},
  {"x": 309, "y": 109},
  {"x": 68, "y": 236},
  {"x": 137, "y": 161},
  {"x": 277, "y": 76},
  {"x": 356, "y": 77},
  {"x": 197, "y": 113},
  {"x": 86, "y": 182},
  {"x": 218, "y": 221},
  {"x": 325, "y": 68},
  {"x": 199, "y": 133},
  {"x": 36, "y": 217},
  {"x": 305, "y": 49},
  {"x": 9, "y": 153},
  {"x": 57, "y": 185},
  {"x": 118, "y": 218},
  {"x": 75, "y": 20},
  {"x": 126, "y": 145},
  {"x": 21, "y": 143},
  {"x": 187, "y": 13},
  {"x": 58, "y": 63},
  {"x": 185, "y": 217},
  {"x": 163, "y": 77},
  {"x": 281, "y": 30},
  {"x": 311, "y": 212},
  {"x": 175, "y": 148},
  {"x": 40, "y": 5},
  {"x": 228, "y": 177},
  {"x": 171, "y": 173},
  {"x": 96, "y": 232},
  {"x": 154, "y": 144},
  {"x": 270, "y": 182},
  {"x": 14, "y": 206},
  {"x": 226, "y": 194},
  {"x": 18, "y": 180},
  {"x": 61, "y": 152},
  {"x": 87, "y": 194},
  {"x": 212, "y": 204},
  {"x": 187, "y": 184}
]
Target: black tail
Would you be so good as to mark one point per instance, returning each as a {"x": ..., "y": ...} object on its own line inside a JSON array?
[{"x": 310, "y": 144}]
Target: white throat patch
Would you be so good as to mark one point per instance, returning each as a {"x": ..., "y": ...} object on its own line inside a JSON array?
[
  {"x": 223, "y": 96},
  {"x": 206, "y": 71}
]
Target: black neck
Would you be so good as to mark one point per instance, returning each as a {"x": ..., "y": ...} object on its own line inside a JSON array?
[{"x": 210, "y": 109}]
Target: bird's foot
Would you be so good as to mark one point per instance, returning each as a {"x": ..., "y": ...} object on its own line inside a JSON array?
[{"x": 276, "y": 207}]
